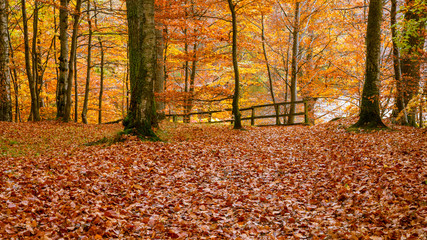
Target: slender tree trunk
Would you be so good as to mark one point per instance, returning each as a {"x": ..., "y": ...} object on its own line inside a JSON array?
[
  {"x": 37, "y": 64},
  {"x": 101, "y": 84},
  {"x": 270, "y": 79},
  {"x": 190, "y": 101},
  {"x": 76, "y": 92},
  {"x": 295, "y": 47},
  {"x": 73, "y": 55},
  {"x": 5, "y": 99},
  {"x": 34, "y": 115},
  {"x": 55, "y": 53},
  {"x": 142, "y": 59},
  {"x": 400, "y": 106},
  {"x": 14, "y": 78},
  {"x": 236, "y": 96},
  {"x": 186, "y": 77},
  {"x": 160, "y": 78},
  {"x": 165, "y": 57},
  {"x": 62, "y": 86},
  {"x": 89, "y": 55},
  {"x": 370, "y": 108}
]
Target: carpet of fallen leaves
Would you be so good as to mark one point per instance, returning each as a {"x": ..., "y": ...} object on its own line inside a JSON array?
[{"x": 212, "y": 182}]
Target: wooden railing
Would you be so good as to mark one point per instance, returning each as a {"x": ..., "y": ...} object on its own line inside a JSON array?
[{"x": 277, "y": 114}]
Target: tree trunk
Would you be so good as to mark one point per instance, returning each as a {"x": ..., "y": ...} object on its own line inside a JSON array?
[
  {"x": 89, "y": 55},
  {"x": 142, "y": 59},
  {"x": 61, "y": 99},
  {"x": 399, "y": 102},
  {"x": 236, "y": 96},
  {"x": 5, "y": 99},
  {"x": 15, "y": 83},
  {"x": 295, "y": 47},
  {"x": 160, "y": 78},
  {"x": 34, "y": 114},
  {"x": 270, "y": 80},
  {"x": 101, "y": 84},
  {"x": 76, "y": 93},
  {"x": 370, "y": 108},
  {"x": 73, "y": 55},
  {"x": 190, "y": 100},
  {"x": 411, "y": 56},
  {"x": 186, "y": 74},
  {"x": 37, "y": 65}
]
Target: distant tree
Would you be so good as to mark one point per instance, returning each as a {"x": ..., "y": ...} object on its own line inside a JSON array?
[
  {"x": 142, "y": 61},
  {"x": 369, "y": 116},
  {"x": 5, "y": 100}
]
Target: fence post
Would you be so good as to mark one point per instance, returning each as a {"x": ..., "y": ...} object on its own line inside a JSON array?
[
  {"x": 305, "y": 112},
  {"x": 252, "y": 116},
  {"x": 210, "y": 117},
  {"x": 174, "y": 118}
]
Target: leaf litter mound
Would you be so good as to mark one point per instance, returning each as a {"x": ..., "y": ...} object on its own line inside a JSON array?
[{"x": 212, "y": 182}]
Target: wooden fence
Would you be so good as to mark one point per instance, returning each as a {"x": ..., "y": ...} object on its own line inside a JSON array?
[{"x": 278, "y": 114}]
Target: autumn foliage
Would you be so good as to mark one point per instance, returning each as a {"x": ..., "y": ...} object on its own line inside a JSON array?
[{"x": 212, "y": 182}]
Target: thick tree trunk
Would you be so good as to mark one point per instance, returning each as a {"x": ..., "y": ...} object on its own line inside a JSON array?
[
  {"x": 89, "y": 55},
  {"x": 34, "y": 114},
  {"x": 295, "y": 47},
  {"x": 411, "y": 57},
  {"x": 142, "y": 59},
  {"x": 270, "y": 79},
  {"x": 370, "y": 108},
  {"x": 61, "y": 99},
  {"x": 5, "y": 99},
  {"x": 236, "y": 96},
  {"x": 73, "y": 55}
]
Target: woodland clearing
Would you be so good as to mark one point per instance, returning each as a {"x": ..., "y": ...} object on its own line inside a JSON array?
[{"x": 212, "y": 182}]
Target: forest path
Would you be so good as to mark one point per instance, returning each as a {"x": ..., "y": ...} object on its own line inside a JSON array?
[{"x": 211, "y": 181}]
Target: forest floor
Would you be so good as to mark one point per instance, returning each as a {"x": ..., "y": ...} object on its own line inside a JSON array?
[{"x": 212, "y": 182}]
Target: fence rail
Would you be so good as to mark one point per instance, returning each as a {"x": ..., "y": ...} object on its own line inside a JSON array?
[{"x": 253, "y": 115}]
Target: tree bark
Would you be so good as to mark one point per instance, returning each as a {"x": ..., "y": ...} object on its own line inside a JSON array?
[
  {"x": 34, "y": 114},
  {"x": 160, "y": 77},
  {"x": 5, "y": 99},
  {"x": 236, "y": 96},
  {"x": 399, "y": 99},
  {"x": 190, "y": 100},
  {"x": 89, "y": 55},
  {"x": 61, "y": 99},
  {"x": 36, "y": 64},
  {"x": 411, "y": 56},
  {"x": 370, "y": 107},
  {"x": 101, "y": 84},
  {"x": 15, "y": 83},
  {"x": 142, "y": 61},
  {"x": 73, "y": 55},
  {"x": 76, "y": 92},
  {"x": 294, "y": 67},
  {"x": 270, "y": 79}
]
